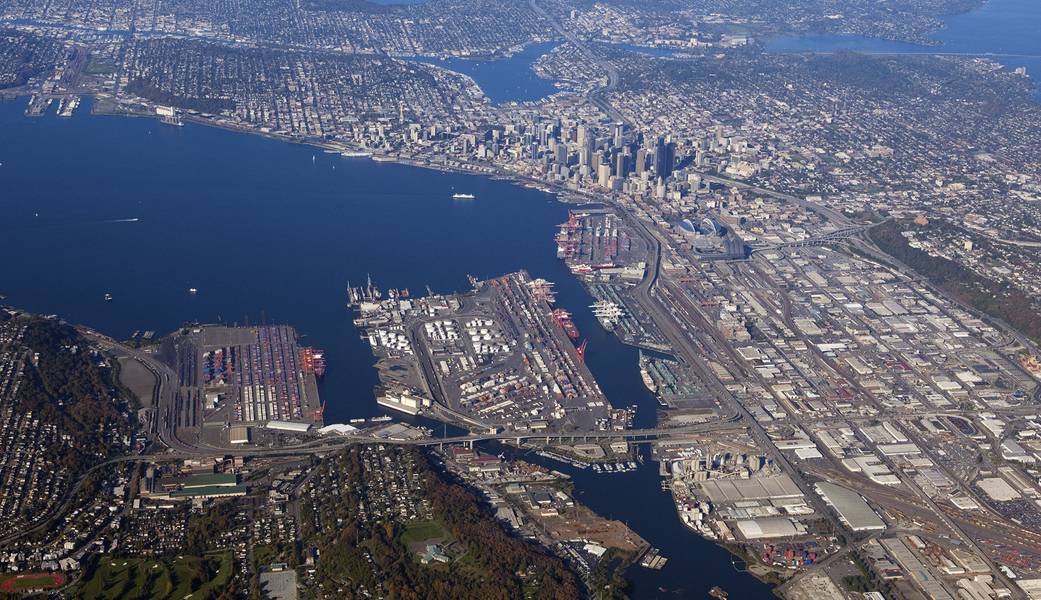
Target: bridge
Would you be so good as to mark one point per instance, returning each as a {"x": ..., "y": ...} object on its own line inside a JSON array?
[
  {"x": 831, "y": 237},
  {"x": 630, "y": 435}
]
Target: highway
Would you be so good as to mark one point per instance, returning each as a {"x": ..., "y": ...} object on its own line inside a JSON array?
[
  {"x": 596, "y": 96},
  {"x": 331, "y": 443}
]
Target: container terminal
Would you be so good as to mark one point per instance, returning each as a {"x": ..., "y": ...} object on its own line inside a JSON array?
[
  {"x": 500, "y": 356},
  {"x": 232, "y": 382}
]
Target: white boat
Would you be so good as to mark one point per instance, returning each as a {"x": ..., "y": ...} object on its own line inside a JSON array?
[
  {"x": 192, "y": 290},
  {"x": 108, "y": 297},
  {"x": 463, "y": 196}
]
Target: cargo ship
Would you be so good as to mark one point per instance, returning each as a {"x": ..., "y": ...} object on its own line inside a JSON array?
[
  {"x": 608, "y": 313},
  {"x": 563, "y": 318},
  {"x": 463, "y": 196},
  {"x": 171, "y": 120},
  {"x": 569, "y": 238},
  {"x": 313, "y": 361}
]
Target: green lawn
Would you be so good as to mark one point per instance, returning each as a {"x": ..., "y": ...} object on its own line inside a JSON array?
[
  {"x": 31, "y": 583},
  {"x": 100, "y": 66},
  {"x": 421, "y": 531},
  {"x": 181, "y": 578}
]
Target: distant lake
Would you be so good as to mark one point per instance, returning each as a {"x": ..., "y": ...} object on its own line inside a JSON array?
[
  {"x": 505, "y": 79},
  {"x": 1007, "y": 30}
]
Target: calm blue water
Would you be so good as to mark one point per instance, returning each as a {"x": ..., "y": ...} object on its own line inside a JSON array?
[
  {"x": 1008, "y": 28},
  {"x": 267, "y": 229},
  {"x": 505, "y": 79}
]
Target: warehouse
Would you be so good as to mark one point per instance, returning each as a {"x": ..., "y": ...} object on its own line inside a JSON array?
[
  {"x": 290, "y": 426},
  {"x": 239, "y": 434},
  {"x": 759, "y": 488},
  {"x": 852, "y": 509},
  {"x": 773, "y": 527},
  {"x": 998, "y": 489}
]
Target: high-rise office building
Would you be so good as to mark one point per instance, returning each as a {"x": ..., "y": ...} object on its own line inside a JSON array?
[
  {"x": 561, "y": 154},
  {"x": 621, "y": 163},
  {"x": 664, "y": 158}
]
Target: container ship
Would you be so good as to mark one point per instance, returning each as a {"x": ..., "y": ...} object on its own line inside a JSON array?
[
  {"x": 563, "y": 318},
  {"x": 608, "y": 313},
  {"x": 569, "y": 238},
  {"x": 313, "y": 361}
]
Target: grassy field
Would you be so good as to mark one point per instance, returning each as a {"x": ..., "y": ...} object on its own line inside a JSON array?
[
  {"x": 100, "y": 66},
  {"x": 183, "y": 577},
  {"x": 422, "y": 531}
]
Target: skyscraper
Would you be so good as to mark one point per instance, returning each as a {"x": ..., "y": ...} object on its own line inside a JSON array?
[
  {"x": 664, "y": 158},
  {"x": 621, "y": 163}
]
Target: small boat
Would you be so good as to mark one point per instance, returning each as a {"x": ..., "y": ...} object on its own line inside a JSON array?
[
  {"x": 108, "y": 297},
  {"x": 193, "y": 291},
  {"x": 463, "y": 196}
]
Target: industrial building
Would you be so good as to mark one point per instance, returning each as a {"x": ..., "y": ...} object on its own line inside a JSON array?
[
  {"x": 289, "y": 426},
  {"x": 759, "y": 488},
  {"x": 772, "y": 527},
  {"x": 851, "y": 508}
]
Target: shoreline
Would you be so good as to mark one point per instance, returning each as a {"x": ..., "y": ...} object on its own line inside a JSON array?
[
  {"x": 558, "y": 193},
  {"x": 554, "y": 190}
]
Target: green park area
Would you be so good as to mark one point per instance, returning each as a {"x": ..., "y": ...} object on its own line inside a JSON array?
[
  {"x": 182, "y": 577},
  {"x": 422, "y": 532}
]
